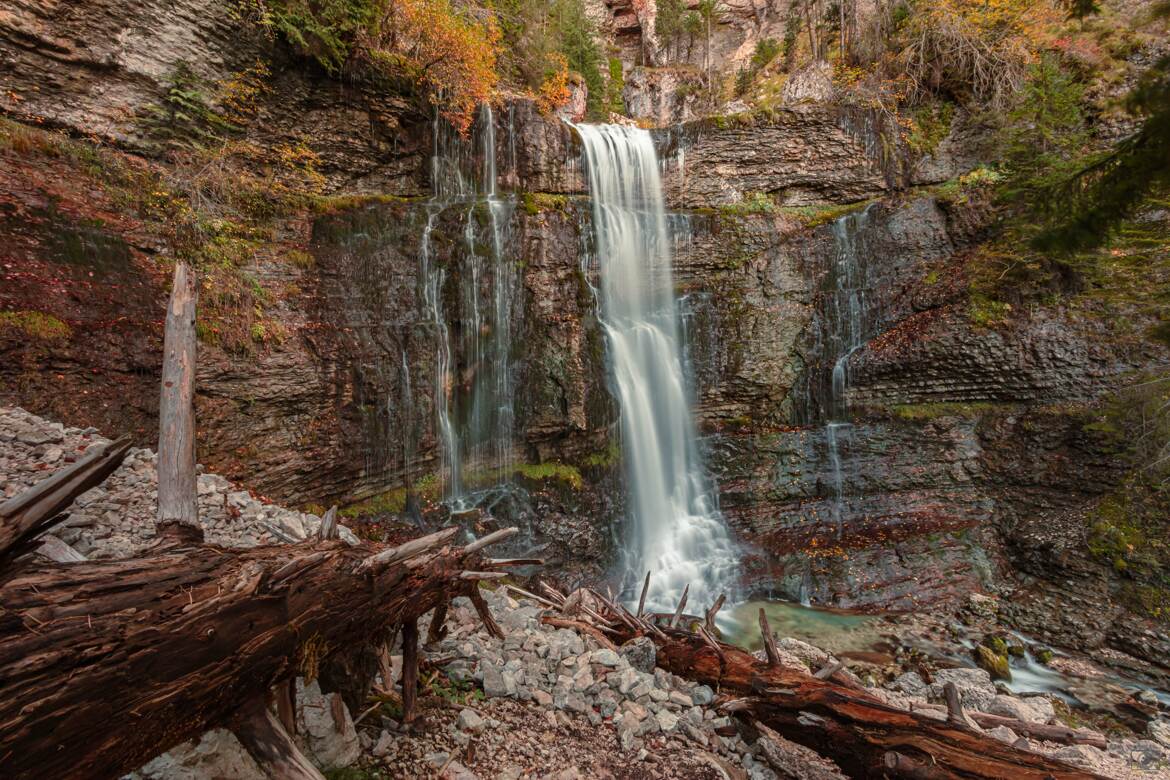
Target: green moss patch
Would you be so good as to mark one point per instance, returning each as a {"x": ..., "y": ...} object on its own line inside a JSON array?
[
  {"x": 34, "y": 325},
  {"x": 934, "y": 411}
]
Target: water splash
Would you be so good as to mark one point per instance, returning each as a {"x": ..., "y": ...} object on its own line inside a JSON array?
[{"x": 676, "y": 530}]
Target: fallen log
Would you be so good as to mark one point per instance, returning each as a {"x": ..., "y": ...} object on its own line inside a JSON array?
[
  {"x": 106, "y": 664},
  {"x": 30, "y": 513},
  {"x": 864, "y": 735},
  {"x": 1046, "y": 732}
]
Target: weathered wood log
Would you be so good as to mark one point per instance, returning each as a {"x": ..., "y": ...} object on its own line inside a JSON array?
[
  {"x": 329, "y": 529},
  {"x": 106, "y": 664},
  {"x": 409, "y": 671},
  {"x": 642, "y": 599},
  {"x": 176, "y": 409},
  {"x": 485, "y": 614},
  {"x": 955, "y": 714},
  {"x": 864, "y": 735},
  {"x": 1046, "y": 732},
  {"x": 850, "y": 726},
  {"x": 709, "y": 615},
  {"x": 438, "y": 625},
  {"x": 682, "y": 603},
  {"x": 286, "y": 704},
  {"x": 30, "y": 513},
  {"x": 770, "y": 650}
]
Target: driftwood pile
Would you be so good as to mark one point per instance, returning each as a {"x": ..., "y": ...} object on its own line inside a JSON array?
[
  {"x": 106, "y": 664},
  {"x": 829, "y": 711}
]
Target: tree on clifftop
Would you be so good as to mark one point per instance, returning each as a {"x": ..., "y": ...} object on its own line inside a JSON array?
[{"x": 450, "y": 52}]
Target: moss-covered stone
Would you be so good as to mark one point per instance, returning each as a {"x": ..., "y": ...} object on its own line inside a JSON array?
[{"x": 994, "y": 664}]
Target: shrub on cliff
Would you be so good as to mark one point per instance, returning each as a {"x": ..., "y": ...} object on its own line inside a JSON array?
[{"x": 450, "y": 52}]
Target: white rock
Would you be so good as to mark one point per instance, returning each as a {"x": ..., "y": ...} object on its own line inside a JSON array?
[
  {"x": 975, "y": 687},
  {"x": 606, "y": 657},
  {"x": 1004, "y": 734},
  {"x": 329, "y": 743},
  {"x": 667, "y": 720},
  {"x": 469, "y": 720},
  {"x": 217, "y": 754},
  {"x": 1031, "y": 710}
]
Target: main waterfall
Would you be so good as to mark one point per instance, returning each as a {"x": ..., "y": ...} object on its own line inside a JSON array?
[{"x": 676, "y": 531}]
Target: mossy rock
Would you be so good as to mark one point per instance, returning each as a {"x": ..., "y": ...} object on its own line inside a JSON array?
[
  {"x": 993, "y": 663},
  {"x": 995, "y": 644}
]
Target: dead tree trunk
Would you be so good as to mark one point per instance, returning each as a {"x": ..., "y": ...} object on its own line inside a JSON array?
[
  {"x": 865, "y": 736},
  {"x": 104, "y": 665},
  {"x": 27, "y": 515},
  {"x": 176, "y": 425}
]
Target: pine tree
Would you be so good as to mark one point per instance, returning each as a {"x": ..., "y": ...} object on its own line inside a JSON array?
[
  {"x": 1108, "y": 190},
  {"x": 669, "y": 23}
]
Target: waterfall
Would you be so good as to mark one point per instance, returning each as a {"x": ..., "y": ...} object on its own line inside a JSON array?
[
  {"x": 676, "y": 530},
  {"x": 474, "y": 393},
  {"x": 845, "y": 308}
]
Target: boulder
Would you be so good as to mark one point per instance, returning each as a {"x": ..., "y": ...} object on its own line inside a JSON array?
[
  {"x": 1081, "y": 755},
  {"x": 217, "y": 754},
  {"x": 1036, "y": 709},
  {"x": 1004, "y": 734},
  {"x": 640, "y": 653},
  {"x": 469, "y": 720},
  {"x": 976, "y": 690},
  {"x": 995, "y": 664},
  {"x": 811, "y": 84},
  {"x": 325, "y": 730},
  {"x": 909, "y": 683}
]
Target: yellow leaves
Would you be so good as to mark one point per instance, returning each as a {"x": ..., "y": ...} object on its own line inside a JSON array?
[{"x": 239, "y": 94}]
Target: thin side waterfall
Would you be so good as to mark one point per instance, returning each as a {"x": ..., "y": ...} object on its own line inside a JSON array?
[
  {"x": 845, "y": 313},
  {"x": 474, "y": 391},
  {"x": 676, "y": 530}
]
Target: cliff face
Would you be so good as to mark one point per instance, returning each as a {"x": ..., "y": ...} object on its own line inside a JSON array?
[{"x": 960, "y": 435}]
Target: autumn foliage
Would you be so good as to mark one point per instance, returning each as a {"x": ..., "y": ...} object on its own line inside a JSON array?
[
  {"x": 554, "y": 91},
  {"x": 450, "y": 51}
]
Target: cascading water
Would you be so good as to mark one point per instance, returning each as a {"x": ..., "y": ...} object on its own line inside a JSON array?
[
  {"x": 843, "y": 333},
  {"x": 676, "y": 530},
  {"x": 473, "y": 378}
]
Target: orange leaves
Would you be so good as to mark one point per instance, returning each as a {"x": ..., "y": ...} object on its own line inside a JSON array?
[
  {"x": 451, "y": 52},
  {"x": 554, "y": 92}
]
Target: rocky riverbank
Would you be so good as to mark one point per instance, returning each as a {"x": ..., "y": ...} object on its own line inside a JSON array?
[{"x": 542, "y": 701}]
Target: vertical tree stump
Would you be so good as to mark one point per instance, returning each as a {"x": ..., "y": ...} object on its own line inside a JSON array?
[
  {"x": 176, "y": 430},
  {"x": 409, "y": 671}
]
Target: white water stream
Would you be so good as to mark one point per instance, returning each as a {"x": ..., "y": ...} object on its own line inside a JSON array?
[
  {"x": 676, "y": 530},
  {"x": 474, "y": 393}
]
